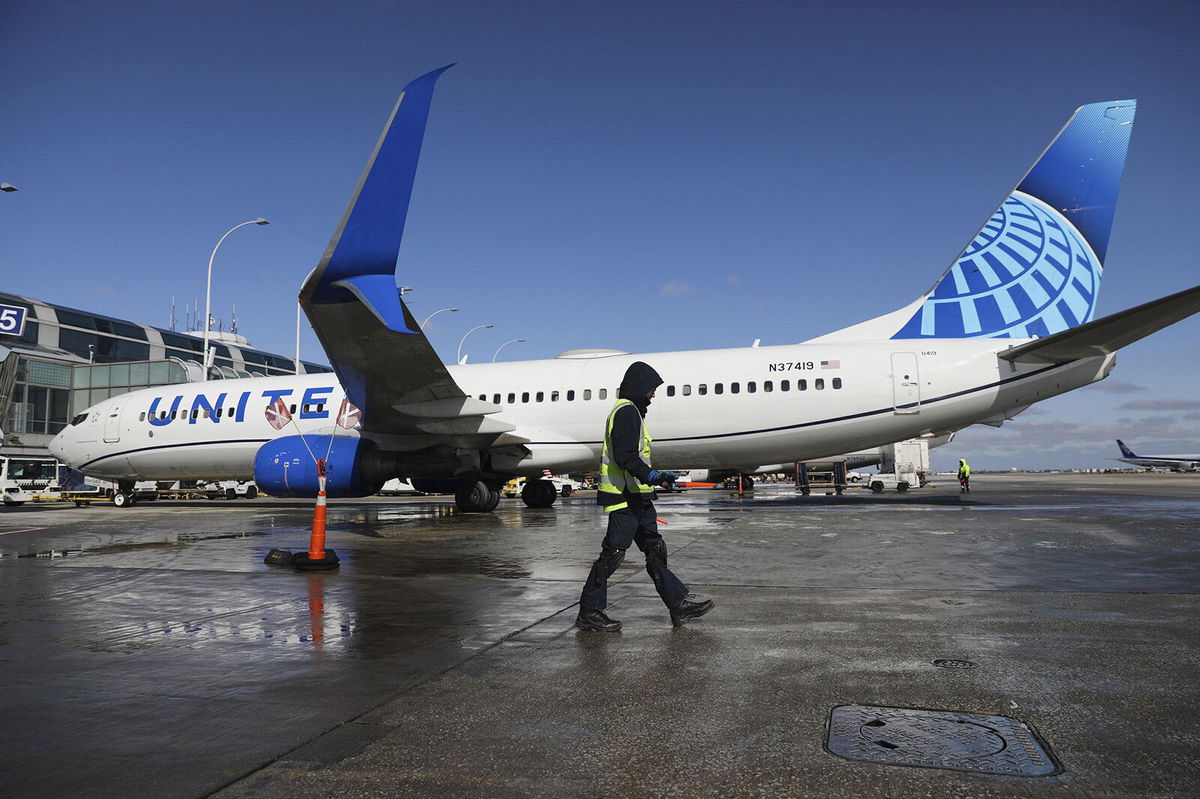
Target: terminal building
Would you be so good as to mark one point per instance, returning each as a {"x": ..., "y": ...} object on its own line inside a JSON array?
[{"x": 56, "y": 361}]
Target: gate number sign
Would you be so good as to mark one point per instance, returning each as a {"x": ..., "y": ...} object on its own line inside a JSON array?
[{"x": 12, "y": 320}]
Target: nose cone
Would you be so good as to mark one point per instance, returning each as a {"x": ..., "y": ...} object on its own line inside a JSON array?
[{"x": 57, "y": 447}]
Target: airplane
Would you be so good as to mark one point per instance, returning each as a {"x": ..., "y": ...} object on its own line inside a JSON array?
[
  {"x": 1176, "y": 463},
  {"x": 1008, "y": 324}
]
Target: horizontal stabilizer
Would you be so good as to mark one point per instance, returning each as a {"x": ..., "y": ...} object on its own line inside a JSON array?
[{"x": 1109, "y": 334}]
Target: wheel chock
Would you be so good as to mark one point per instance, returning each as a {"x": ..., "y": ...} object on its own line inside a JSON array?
[{"x": 279, "y": 557}]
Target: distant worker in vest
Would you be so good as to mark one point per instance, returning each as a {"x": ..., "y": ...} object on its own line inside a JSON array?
[
  {"x": 964, "y": 477},
  {"x": 626, "y": 490}
]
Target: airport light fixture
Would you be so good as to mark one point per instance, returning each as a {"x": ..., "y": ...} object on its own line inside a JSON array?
[
  {"x": 464, "y": 338},
  {"x": 208, "y": 290},
  {"x": 435, "y": 313},
  {"x": 505, "y": 344},
  {"x": 8, "y": 187}
]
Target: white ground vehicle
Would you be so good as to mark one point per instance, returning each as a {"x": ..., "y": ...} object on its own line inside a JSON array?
[{"x": 20, "y": 478}]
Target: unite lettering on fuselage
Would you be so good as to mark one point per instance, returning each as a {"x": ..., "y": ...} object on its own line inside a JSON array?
[{"x": 313, "y": 404}]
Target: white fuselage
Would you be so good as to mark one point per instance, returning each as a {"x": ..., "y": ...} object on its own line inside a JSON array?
[{"x": 728, "y": 408}]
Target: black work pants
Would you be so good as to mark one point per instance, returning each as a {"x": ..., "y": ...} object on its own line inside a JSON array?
[{"x": 635, "y": 524}]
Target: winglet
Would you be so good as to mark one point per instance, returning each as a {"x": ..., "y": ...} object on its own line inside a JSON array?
[{"x": 366, "y": 243}]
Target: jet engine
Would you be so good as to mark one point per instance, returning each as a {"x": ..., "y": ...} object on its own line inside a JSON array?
[{"x": 284, "y": 467}]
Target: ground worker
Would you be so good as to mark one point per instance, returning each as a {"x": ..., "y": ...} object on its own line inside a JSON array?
[
  {"x": 626, "y": 491},
  {"x": 964, "y": 477}
]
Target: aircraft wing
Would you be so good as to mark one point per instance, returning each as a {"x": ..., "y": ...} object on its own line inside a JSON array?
[
  {"x": 1109, "y": 334},
  {"x": 383, "y": 360}
]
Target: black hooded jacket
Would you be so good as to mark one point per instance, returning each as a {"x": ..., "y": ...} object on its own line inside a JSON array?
[{"x": 640, "y": 379}]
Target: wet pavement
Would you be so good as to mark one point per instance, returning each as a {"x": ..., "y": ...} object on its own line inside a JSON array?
[{"x": 149, "y": 652}]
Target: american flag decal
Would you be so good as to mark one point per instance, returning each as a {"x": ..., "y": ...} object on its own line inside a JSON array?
[{"x": 831, "y": 364}]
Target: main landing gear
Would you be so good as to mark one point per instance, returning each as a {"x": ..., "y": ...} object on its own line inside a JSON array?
[{"x": 477, "y": 497}]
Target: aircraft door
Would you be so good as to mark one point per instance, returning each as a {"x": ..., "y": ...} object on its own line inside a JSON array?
[
  {"x": 906, "y": 384},
  {"x": 112, "y": 424}
]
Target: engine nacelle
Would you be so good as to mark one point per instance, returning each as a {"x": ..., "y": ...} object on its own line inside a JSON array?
[{"x": 284, "y": 467}]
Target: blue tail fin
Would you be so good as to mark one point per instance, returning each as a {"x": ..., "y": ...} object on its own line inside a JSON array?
[
  {"x": 1034, "y": 268},
  {"x": 1126, "y": 451}
]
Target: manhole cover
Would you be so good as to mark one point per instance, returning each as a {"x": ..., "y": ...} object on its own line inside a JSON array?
[
  {"x": 938, "y": 739},
  {"x": 947, "y": 663}
]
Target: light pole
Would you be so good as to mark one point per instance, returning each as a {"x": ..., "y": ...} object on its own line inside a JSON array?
[
  {"x": 208, "y": 289},
  {"x": 435, "y": 313},
  {"x": 505, "y": 344},
  {"x": 464, "y": 338}
]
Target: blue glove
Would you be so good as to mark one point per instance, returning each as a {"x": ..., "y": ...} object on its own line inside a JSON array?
[{"x": 664, "y": 479}]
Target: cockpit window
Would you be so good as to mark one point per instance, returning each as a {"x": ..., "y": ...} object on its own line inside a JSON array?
[{"x": 80, "y": 419}]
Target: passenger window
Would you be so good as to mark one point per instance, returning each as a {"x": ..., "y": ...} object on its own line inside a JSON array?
[
  {"x": 687, "y": 390},
  {"x": 603, "y": 393},
  {"x": 837, "y": 382},
  {"x": 163, "y": 415},
  {"x": 142, "y": 417},
  {"x": 719, "y": 388},
  {"x": 495, "y": 399},
  {"x": 554, "y": 396},
  {"x": 205, "y": 413},
  {"x": 512, "y": 398},
  {"x": 785, "y": 385},
  {"x": 219, "y": 412},
  {"x": 751, "y": 387},
  {"x": 702, "y": 389},
  {"x": 483, "y": 397},
  {"x": 195, "y": 413},
  {"x": 587, "y": 393},
  {"x": 670, "y": 391},
  {"x": 571, "y": 395},
  {"x": 735, "y": 388},
  {"x": 819, "y": 383},
  {"x": 801, "y": 385},
  {"x": 293, "y": 410},
  {"x": 524, "y": 396},
  {"x": 304, "y": 408},
  {"x": 767, "y": 386},
  {"x": 229, "y": 412},
  {"x": 541, "y": 395}
]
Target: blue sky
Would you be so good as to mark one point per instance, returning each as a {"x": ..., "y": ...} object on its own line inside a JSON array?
[{"x": 638, "y": 175}]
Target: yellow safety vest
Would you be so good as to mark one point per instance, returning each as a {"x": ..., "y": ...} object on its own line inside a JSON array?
[
  {"x": 964, "y": 471},
  {"x": 614, "y": 479}
]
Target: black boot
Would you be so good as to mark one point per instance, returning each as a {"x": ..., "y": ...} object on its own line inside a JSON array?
[
  {"x": 692, "y": 607},
  {"x": 597, "y": 621}
]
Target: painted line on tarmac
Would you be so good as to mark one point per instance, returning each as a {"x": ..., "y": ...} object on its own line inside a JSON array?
[{"x": 22, "y": 530}]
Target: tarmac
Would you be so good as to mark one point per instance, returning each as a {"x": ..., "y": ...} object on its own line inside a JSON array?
[{"x": 149, "y": 652}]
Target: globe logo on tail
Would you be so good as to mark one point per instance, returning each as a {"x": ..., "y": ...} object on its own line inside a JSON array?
[{"x": 1027, "y": 273}]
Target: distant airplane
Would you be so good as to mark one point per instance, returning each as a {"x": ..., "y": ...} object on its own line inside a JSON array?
[
  {"x": 1176, "y": 463},
  {"x": 1007, "y": 325}
]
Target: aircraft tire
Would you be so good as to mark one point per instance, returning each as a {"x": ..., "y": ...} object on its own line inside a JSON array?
[
  {"x": 121, "y": 500},
  {"x": 473, "y": 497},
  {"x": 538, "y": 493}
]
